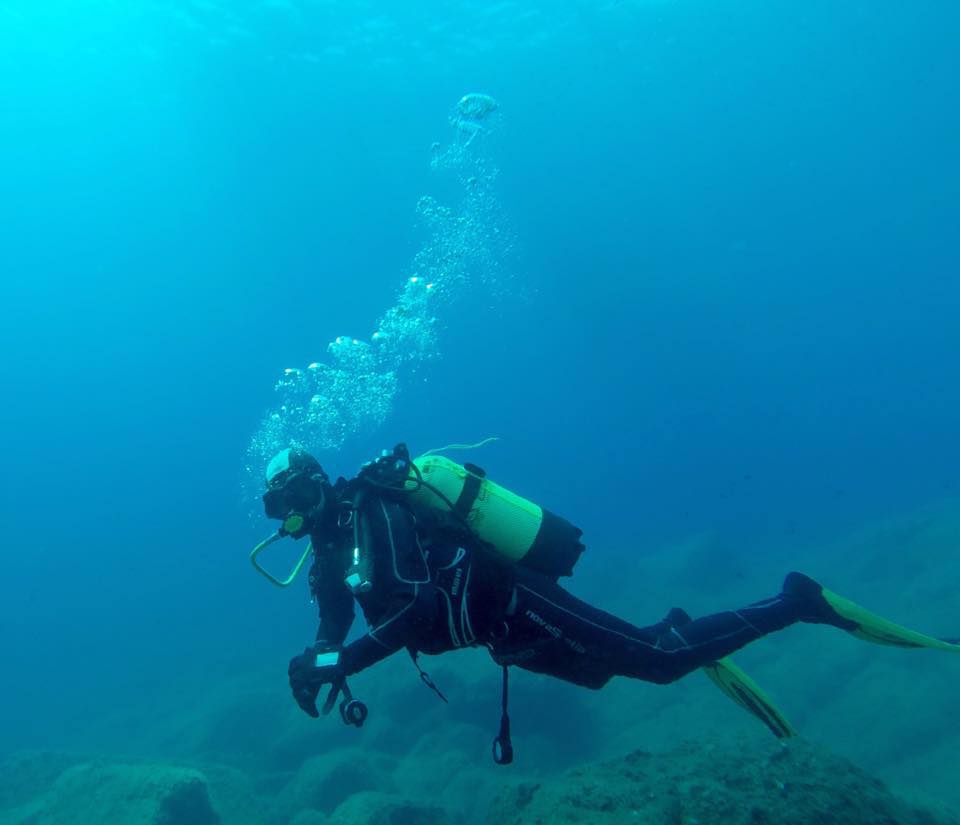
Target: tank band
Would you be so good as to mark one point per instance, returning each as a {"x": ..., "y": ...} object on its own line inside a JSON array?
[{"x": 471, "y": 489}]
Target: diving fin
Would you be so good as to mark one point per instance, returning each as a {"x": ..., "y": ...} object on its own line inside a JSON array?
[
  {"x": 745, "y": 692},
  {"x": 738, "y": 686},
  {"x": 873, "y": 628},
  {"x": 828, "y": 607}
]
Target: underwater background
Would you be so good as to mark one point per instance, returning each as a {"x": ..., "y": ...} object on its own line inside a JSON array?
[{"x": 695, "y": 264}]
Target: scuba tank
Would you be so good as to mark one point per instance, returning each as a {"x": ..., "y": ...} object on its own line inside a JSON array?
[{"x": 518, "y": 530}]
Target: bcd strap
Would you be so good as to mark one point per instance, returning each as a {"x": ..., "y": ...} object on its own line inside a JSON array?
[
  {"x": 471, "y": 488},
  {"x": 502, "y": 746}
]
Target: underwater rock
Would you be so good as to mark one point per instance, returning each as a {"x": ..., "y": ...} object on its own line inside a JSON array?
[
  {"x": 25, "y": 776},
  {"x": 309, "y": 817},
  {"x": 141, "y": 794},
  {"x": 234, "y": 795},
  {"x": 451, "y": 766},
  {"x": 375, "y": 808},
  {"x": 714, "y": 783},
  {"x": 323, "y": 782}
]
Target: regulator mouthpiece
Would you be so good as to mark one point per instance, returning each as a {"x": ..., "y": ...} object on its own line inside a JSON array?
[{"x": 292, "y": 525}]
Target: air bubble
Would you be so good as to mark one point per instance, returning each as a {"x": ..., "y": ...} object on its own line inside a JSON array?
[{"x": 354, "y": 390}]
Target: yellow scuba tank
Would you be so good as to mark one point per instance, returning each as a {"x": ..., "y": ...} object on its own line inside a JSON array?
[{"x": 517, "y": 529}]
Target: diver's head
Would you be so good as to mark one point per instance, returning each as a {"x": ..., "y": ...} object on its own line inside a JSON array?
[{"x": 298, "y": 492}]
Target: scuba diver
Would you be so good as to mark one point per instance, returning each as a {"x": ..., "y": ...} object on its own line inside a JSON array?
[{"x": 439, "y": 557}]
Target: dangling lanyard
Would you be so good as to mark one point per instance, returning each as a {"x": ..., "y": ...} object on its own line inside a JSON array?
[
  {"x": 425, "y": 677},
  {"x": 502, "y": 746}
]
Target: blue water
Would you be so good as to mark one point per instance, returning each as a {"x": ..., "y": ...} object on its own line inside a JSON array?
[{"x": 730, "y": 305}]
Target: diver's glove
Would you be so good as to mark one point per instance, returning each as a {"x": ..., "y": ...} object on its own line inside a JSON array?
[{"x": 317, "y": 666}]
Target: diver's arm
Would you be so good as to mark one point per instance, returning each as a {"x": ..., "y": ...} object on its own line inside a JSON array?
[
  {"x": 406, "y": 620},
  {"x": 334, "y": 601}
]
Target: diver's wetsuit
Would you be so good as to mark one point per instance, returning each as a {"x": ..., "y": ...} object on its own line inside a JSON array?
[
  {"x": 430, "y": 596},
  {"x": 547, "y": 630}
]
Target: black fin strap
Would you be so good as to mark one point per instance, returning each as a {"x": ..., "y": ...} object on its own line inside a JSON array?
[
  {"x": 425, "y": 677},
  {"x": 502, "y": 746}
]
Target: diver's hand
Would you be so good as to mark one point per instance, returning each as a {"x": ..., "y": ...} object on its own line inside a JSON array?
[{"x": 310, "y": 671}]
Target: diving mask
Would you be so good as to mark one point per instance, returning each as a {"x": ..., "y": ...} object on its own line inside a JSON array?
[{"x": 298, "y": 498}]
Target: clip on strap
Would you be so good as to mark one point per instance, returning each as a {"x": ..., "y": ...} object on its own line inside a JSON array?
[
  {"x": 425, "y": 677},
  {"x": 502, "y": 746}
]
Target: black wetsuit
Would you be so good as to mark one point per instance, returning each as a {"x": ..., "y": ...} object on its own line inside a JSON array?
[
  {"x": 429, "y": 595},
  {"x": 432, "y": 595}
]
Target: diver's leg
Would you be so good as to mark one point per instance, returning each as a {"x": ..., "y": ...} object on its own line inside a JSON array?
[
  {"x": 590, "y": 644},
  {"x": 662, "y": 653},
  {"x": 688, "y": 646},
  {"x": 550, "y": 631},
  {"x": 546, "y": 630},
  {"x": 586, "y": 637},
  {"x": 544, "y": 641}
]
